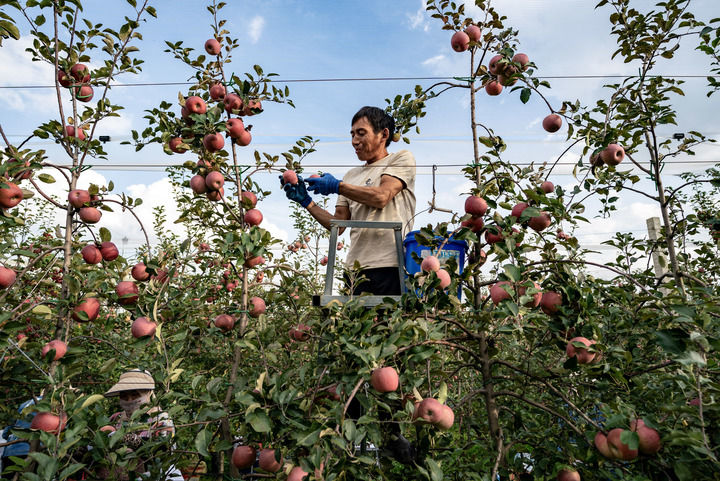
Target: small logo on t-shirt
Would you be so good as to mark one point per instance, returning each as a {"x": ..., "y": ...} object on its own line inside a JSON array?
[{"x": 368, "y": 182}]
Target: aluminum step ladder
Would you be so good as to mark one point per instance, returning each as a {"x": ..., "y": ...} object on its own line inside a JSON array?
[{"x": 367, "y": 300}]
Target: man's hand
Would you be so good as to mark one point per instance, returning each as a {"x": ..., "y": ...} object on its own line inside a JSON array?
[
  {"x": 325, "y": 185},
  {"x": 297, "y": 192}
]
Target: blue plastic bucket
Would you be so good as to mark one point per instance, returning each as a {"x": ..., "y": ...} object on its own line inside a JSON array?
[{"x": 452, "y": 249}]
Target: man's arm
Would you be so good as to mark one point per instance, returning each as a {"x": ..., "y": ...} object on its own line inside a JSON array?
[
  {"x": 377, "y": 197},
  {"x": 324, "y": 217}
]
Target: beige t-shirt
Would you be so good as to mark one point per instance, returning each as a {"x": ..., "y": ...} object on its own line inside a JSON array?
[{"x": 376, "y": 247}]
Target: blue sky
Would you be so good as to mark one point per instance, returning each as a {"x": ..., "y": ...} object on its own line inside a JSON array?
[{"x": 349, "y": 39}]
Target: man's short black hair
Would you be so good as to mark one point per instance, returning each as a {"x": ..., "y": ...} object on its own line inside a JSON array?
[{"x": 378, "y": 119}]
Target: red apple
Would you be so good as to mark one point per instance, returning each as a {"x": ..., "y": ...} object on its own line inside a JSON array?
[
  {"x": 244, "y": 139},
  {"x": 10, "y": 195},
  {"x": 475, "y": 205},
  {"x": 447, "y": 418},
  {"x": 212, "y": 47},
  {"x": 7, "y": 277},
  {"x": 161, "y": 276},
  {"x": 139, "y": 272},
  {"x": 601, "y": 444},
  {"x": 552, "y": 123},
  {"x": 474, "y": 32},
  {"x": 498, "y": 292},
  {"x": 59, "y": 347},
  {"x": 91, "y": 254},
  {"x": 254, "y": 261},
  {"x": 243, "y": 456},
  {"x": 290, "y": 177},
  {"x": 213, "y": 142},
  {"x": 195, "y": 105},
  {"x": 300, "y": 333},
  {"x": 90, "y": 215},
  {"x": 267, "y": 461},
  {"x": 540, "y": 222},
  {"x": 474, "y": 223},
  {"x": 224, "y": 322},
  {"x": 522, "y": 59},
  {"x": 197, "y": 184},
  {"x": 444, "y": 277},
  {"x": 78, "y": 197},
  {"x": 324, "y": 261},
  {"x": 649, "y": 438},
  {"x": 233, "y": 103},
  {"x": 568, "y": 475},
  {"x": 64, "y": 79},
  {"x": 434, "y": 412},
  {"x": 493, "y": 88},
  {"x": 84, "y": 93},
  {"x": 214, "y": 180},
  {"x": 91, "y": 308},
  {"x": 235, "y": 128},
  {"x": 493, "y": 237},
  {"x": 494, "y": 65},
  {"x": 249, "y": 197},
  {"x": 49, "y": 422},
  {"x": 216, "y": 195},
  {"x": 257, "y": 306},
  {"x": 518, "y": 209},
  {"x": 252, "y": 104},
  {"x": 617, "y": 448},
  {"x": 547, "y": 187},
  {"x": 613, "y": 154},
  {"x": 385, "y": 379},
  {"x": 127, "y": 292},
  {"x": 109, "y": 251},
  {"x": 550, "y": 302},
  {"x": 430, "y": 264},
  {"x": 583, "y": 355},
  {"x": 174, "y": 145},
  {"x": 297, "y": 474},
  {"x": 536, "y": 298},
  {"x": 253, "y": 217},
  {"x": 71, "y": 132},
  {"x": 142, "y": 326},
  {"x": 80, "y": 73},
  {"x": 217, "y": 92},
  {"x": 460, "y": 41}
]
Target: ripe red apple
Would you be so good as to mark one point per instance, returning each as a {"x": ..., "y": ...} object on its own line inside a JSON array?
[
  {"x": 224, "y": 322},
  {"x": 142, "y": 326},
  {"x": 233, "y": 103},
  {"x": 109, "y": 251},
  {"x": 91, "y": 254},
  {"x": 217, "y": 91},
  {"x": 216, "y": 195},
  {"x": 7, "y": 277},
  {"x": 253, "y": 217},
  {"x": 64, "y": 79},
  {"x": 494, "y": 65},
  {"x": 474, "y": 223},
  {"x": 550, "y": 302},
  {"x": 297, "y": 474},
  {"x": 139, "y": 272},
  {"x": 434, "y": 412},
  {"x": 447, "y": 418},
  {"x": 474, "y": 32},
  {"x": 649, "y": 438},
  {"x": 522, "y": 59},
  {"x": 161, "y": 276},
  {"x": 536, "y": 298},
  {"x": 324, "y": 261},
  {"x": 84, "y": 93},
  {"x": 90, "y": 215},
  {"x": 10, "y": 195},
  {"x": 475, "y": 205},
  {"x": 290, "y": 177},
  {"x": 552, "y": 123},
  {"x": 49, "y": 422},
  {"x": 80, "y": 73},
  {"x": 583, "y": 355},
  {"x": 71, "y": 132},
  {"x": 214, "y": 180},
  {"x": 493, "y": 88},
  {"x": 197, "y": 184},
  {"x": 267, "y": 461},
  {"x": 235, "y": 128},
  {"x": 78, "y": 197},
  {"x": 300, "y": 333},
  {"x": 444, "y": 277},
  {"x": 91, "y": 308},
  {"x": 568, "y": 475},
  {"x": 498, "y": 292},
  {"x": 617, "y": 448},
  {"x": 174, "y": 145},
  {"x": 540, "y": 222},
  {"x": 56, "y": 344},
  {"x": 254, "y": 261},
  {"x": 601, "y": 444},
  {"x": 212, "y": 47},
  {"x": 385, "y": 379},
  {"x": 518, "y": 209},
  {"x": 547, "y": 187},
  {"x": 460, "y": 41},
  {"x": 430, "y": 264},
  {"x": 195, "y": 105},
  {"x": 613, "y": 154},
  {"x": 257, "y": 306},
  {"x": 127, "y": 292},
  {"x": 244, "y": 139},
  {"x": 492, "y": 237},
  {"x": 249, "y": 197},
  {"x": 213, "y": 142},
  {"x": 252, "y": 104},
  {"x": 243, "y": 456}
]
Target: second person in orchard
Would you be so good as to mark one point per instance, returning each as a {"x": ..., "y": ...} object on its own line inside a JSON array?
[{"x": 381, "y": 189}]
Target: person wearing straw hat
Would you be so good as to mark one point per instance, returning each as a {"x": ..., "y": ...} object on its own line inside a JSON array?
[{"x": 135, "y": 389}]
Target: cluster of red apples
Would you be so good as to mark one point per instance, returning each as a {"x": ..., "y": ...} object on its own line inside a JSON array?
[
  {"x": 612, "y": 447},
  {"x": 78, "y": 79}
]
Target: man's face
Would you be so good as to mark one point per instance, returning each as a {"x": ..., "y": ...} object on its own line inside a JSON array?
[{"x": 369, "y": 146}]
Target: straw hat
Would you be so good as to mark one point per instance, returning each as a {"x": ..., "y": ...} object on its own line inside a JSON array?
[{"x": 135, "y": 380}]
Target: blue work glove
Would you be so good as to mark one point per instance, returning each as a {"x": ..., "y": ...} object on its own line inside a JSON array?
[
  {"x": 297, "y": 192},
  {"x": 325, "y": 185}
]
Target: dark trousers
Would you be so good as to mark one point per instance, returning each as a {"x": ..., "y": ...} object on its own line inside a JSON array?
[{"x": 380, "y": 281}]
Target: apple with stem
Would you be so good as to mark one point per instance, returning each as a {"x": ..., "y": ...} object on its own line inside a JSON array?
[
  {"x": 493, "y": 88},
  {"x": 243, "y": 456},
  {"x": 233, "y": 103},
  {"x": 78, "y": 198},
  {"x": 475, "y": 205},
  {"x": 613, "y": 154},
  {"x": 214, "y": 180},
  {"x": 217, "y": 91},
  {"x": 195, "y": 105},
  {"x": 212, "y": 47},
  {"x": 474, "y": 33},
  {"x": 460, "y": 41},
  {"x": 49, "y": 422},
  {"x": 213, "y": 142},
  {"x": 90, "y": 215},
  {"x": 253, "y": 217},
  {"x": 142, "y": 327},
  {"x": 552, "y": 123},
  {"x": 109, "y": 251},
  {"x": 10, "y": 195},
  {"x": 91, "y": 254},
  {"x": 235, "y": 127},
  {"x": 90, "y": 307}
]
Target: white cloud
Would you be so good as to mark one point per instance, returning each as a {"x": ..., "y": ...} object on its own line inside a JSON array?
[
  {"x": 16, "y": 68},
  {"x": 419, "y": 19},
  {"x": 255, "y": 29},
  {"x": 432, "y": 61}
]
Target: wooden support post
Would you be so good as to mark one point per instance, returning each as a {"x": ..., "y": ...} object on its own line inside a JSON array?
[{"x": 660, "y": 261}]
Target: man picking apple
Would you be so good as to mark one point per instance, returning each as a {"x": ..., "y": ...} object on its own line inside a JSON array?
[{"x": 382, "y": 189}]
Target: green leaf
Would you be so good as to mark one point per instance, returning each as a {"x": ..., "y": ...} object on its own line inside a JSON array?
[
  {"x": 92, "y": 399},
  {"x": 259, "y": 421},
  {"x": 47, "y": 178},
  {"x": 105, "y": 234},
  {"x": 42, "y": 310},
  {"x": 525, "y": 95},
  {"x": 202, "y": 440},
  {"x": 513, "y": 272}
]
